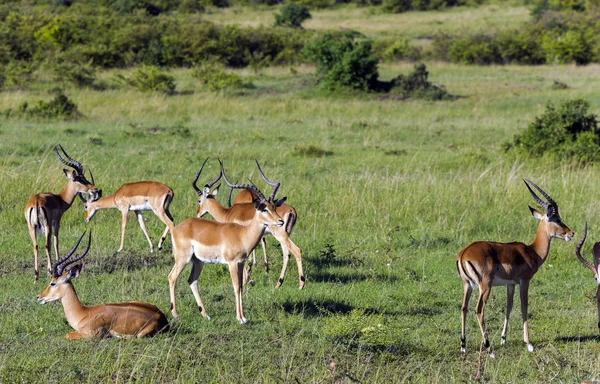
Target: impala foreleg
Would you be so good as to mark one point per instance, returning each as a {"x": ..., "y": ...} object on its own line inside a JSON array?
[
  {"x": 463, "y": 316},
  {"x": 236, "y": 271},
  {"x": 510, "y": 293},
  {"x": 197, "y": 266},
  {"x": 263, "y": 244},
  {"x": 484, "y": 294},
  {"x": 75, "y": 336},
  {"x": 523, "y": 291},
  {"x": 598, "y": 302},
  {"x": 143, "y": 226}
]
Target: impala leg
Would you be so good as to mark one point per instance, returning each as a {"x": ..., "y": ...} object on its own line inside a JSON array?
[
  {"x": 510, "y": 293},
  {"x": 263, "y": 243},
  {"x": 298, "y": 256},
  {"x": 166, "y": 218},
  {"x": 197, "y": 266},
  {"x": 55, "y": 237},
  {"x": 180, "y": 262},
  {"x": 523, "y": 291},
  {"x": 35, "y": 251},
  {"x": 598, "y": 302},
  {"x": 463, "y": 316},
  {"x": 236, "y": 271},
  {"x": 123, "y": 226},
  {"x": 280, "y": 234},
  {"x": 247, "y": 271},
  {"x": 74, "y": 336},
  {"x": 143, "y": 226},
  {"x": 48, "y": 236},
  {"x": 484, "y": 294},
  {"x": 163, "y": 237}
]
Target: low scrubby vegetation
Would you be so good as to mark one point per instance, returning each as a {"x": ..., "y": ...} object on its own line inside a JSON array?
[
  {"x": 150, "y": 79},
  {"x": 292, "y": 15},
  {"x": 567, "y": 131}
]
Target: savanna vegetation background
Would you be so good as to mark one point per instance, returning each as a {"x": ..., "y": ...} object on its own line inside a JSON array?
[{"x": 401, "y": 131}]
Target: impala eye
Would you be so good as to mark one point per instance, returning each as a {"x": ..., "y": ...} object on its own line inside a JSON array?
[{"x": 53, "y": 284}]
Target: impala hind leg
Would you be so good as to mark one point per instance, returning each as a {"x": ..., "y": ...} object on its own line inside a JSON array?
[
  {"x": 510, "y": 293},
  {"x": 484, "y": 294},
  {"x": 598, "y": 302},
  {"x": 263, "y": 243},
  {"x": 35, "y": 252},
  {"x": 463, "y": 316},
  {"x": 180, "y": 262},
  {"x": 123, "y": 226},
  {"x": 143, "y": 226},
  {"x": 55, "y": 237},
  {"x": 166, "y": 218},
  {"x": 197, "y": 266},
  {"x": 523, "y": 292}
]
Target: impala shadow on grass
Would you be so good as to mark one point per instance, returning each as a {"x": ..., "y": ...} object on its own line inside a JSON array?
[
  {"x": 316, "y": 308},
  {"x": 130, "y": 261},
  {"x": 351, "y": 277},
  {"x": 577, "y": 339}
]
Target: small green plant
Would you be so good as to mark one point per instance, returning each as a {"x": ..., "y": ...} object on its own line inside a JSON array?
[
  {"x": 416, "y": 85},
  {"x": 215, "y": 78},
  {"x": 311, "y": 151},
  {"x": 292, "y": 15},
  {"x": 559, "y": 85},
  {"x": 60, "y": 107},
  {"x": 150, "y": 79},
  {"x": 563, "y": 132}
]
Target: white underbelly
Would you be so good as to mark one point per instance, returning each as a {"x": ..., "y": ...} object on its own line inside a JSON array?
[
  {"x": 498, "y": 281},
  {"x": 142, "y": 207},
  {"x": 206, "y": 254}
]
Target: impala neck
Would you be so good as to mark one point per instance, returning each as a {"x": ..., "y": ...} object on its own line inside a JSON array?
[
  {"x": 105, "y": 202},
  {"x": 541, "y": 243},
  {"x": 68, "y": 193},
  {"x": 222, "y": 214},
  {"x": 254, "y": 231},
  {"x": 74, "y": 311}
]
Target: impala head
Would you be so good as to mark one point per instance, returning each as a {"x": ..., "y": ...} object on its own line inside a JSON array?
[
  {"x": 595, "y": 254},
  {"x": 61, "y": 279},
  {"x": 205, "y": 194},
  {"x": 90, "y": 206},
  {"x": 76, "y": 176},
  {"x": 265, "y": 208},
  {"x": 554, "y": 225}
]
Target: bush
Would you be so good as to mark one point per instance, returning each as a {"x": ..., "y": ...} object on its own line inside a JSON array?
[
  {"x": 292, "y": 15},
  {"x": 568, "y": 131},
  {"x": 215, "y": 78},
  {"x": 342, "y": 62},
  {"x": 81, "y": 75},
  {"x": 61, "y": 107},
  {"x": 150, "y": 79},
  {"x": 396, "y": 50},
  {"x": 570, "y": 47},
  {"x": 416, "y": 85}
]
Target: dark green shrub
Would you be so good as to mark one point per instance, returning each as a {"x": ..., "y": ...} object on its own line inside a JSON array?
[
  {"x": 79, "y": 74},
  {"x": 60, "y": 107},
  {"x": 150, "y": 79},
  {"x": 292, "y": 15},
  {"x": 563, "y": 132},
  {"x": 192, "y": 6},
  {"x": 396, "y": 50},
  {"x": 342, "y": 62},
  {"x": 568, "y": 47},
  {"x": 214, "y": 77},
  {"x": 417, "y": 85}
]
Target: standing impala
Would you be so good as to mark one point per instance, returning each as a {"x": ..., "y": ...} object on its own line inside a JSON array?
[
  {"x": 207, "y": 241},
  {"x": 44, "y": 210},
  {"x": 594, "y": 268},
  {"x": 242, "y": 212},
  {"x": 141, "y": 196},
  {"x": 486, "y": 264},
  {"x": 134, "y": 319}
]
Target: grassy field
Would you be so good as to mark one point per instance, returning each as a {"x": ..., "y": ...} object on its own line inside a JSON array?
[{"x": 400, "y": 187}]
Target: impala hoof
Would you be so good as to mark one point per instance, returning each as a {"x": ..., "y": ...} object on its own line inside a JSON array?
[
  {"x": 503, "y": 341},
  {"x": 463, "y": 349},
  {"x": 243, "y": 321},
  {"x": 492, "y": 355},
  {"x": 207, "y": 317},
  {"x": 530, "y": 347}
]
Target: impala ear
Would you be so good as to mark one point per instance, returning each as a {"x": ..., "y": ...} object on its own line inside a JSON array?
[
  {"x": 70, "y": 174},
  {"x": 279, "y": 202},
  {"x": 259, "y": 205},
  {"x": 537, "y": 214},
  {"x": 214, "y": 193},
  {"x": 74, "y": 272}
]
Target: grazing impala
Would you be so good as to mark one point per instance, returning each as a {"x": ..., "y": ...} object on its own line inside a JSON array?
[
  {"x": 242, "y": 212},
  {"x": 207, "y": 241},
  {"x": 486, "y": 264},
  {"x": 44, "y": 210},
  {"x": 141, "y": 196},
  {"x": 134, "y": 319},
  {"x": 594, "y": 268}
]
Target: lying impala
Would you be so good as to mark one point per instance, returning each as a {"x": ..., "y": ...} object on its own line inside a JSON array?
[
  {"x": 486, "y": 264},
  {"x": 594, "y": 268},
  {"x": 141, "y": 196},
  {"x": 134, "y": 319},
  {"x": 242, "y": 211},
  {"x": 44, "y": 210},
  {"x": 207, "y": 241}
]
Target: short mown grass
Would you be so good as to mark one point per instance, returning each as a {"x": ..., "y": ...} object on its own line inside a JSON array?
[{"x": 380, "y": 221}]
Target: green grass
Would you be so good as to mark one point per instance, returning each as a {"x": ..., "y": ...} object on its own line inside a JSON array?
[{"x": 381, "y": 218}]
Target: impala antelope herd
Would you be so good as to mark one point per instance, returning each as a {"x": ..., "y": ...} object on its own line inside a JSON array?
[{"x": 234, "y": 234}]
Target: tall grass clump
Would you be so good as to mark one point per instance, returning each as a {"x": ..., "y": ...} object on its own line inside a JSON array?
[
  {"x": 150, "y": 79},
  {"x": 567, "y": 131}
]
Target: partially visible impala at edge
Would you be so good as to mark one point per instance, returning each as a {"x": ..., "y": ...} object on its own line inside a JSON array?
[
  {"x": 241, "y": 212},
  {"x": 44, "y": 211},
  {"x": 207, "y": 241},
  {"x": 485, "y": 264},
  {"x": 141, "y": 196},
  {"x": 133, "y": 319},
  {"x": 593, "y": 268}
]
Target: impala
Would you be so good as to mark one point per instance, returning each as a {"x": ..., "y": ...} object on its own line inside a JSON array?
[
  {"x": 594, "y": 268},
  {"x": 242, "y": 212},
  {"x": 207, "y": 241},
  {"x": 134, "y": 319},
  {"x": 141, "y": 196},
  {"x": 44, "y": 210},
  {"x": 486, "y": 264}
]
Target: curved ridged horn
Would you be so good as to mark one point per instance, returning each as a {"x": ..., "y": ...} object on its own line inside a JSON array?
[
  {"x": 92, "y": 176},
  {"x": 58, "y": 267},
  {"x": 275, "y": 185},
  {"x": 71, "y": 163},
  {"x": 578, "y": 252},
  {"x": 229, "y": 197},
  {"x": 209, "y": 185},
  {"x": 551, "y": 207},
  {"x": 251, "y": 188}
]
